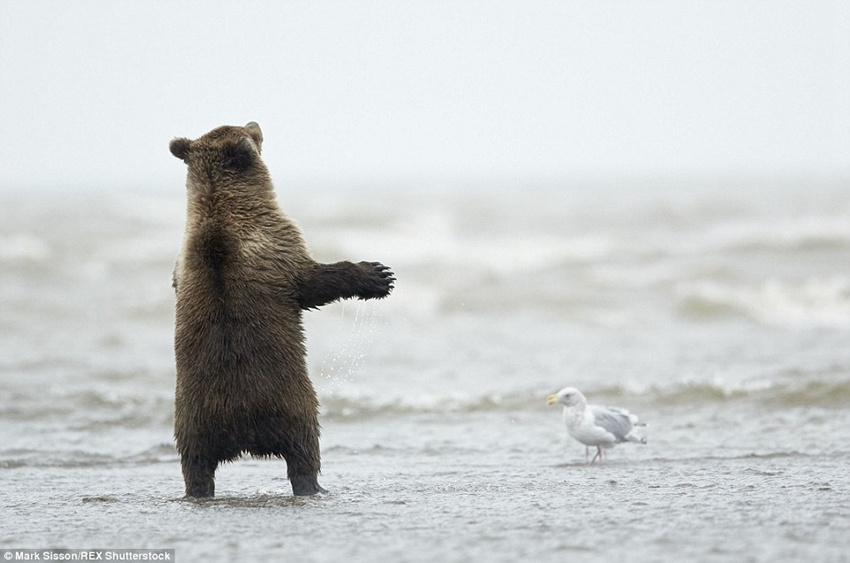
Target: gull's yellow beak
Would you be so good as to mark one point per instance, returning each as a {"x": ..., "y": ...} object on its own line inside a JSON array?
[{"x": 551, "y": 399}]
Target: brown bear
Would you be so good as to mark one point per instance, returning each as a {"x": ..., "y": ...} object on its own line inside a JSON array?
[{"x": 242, "y": 279}]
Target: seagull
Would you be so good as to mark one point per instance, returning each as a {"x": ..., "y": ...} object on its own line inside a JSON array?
[{"x": 595, "y": 425}]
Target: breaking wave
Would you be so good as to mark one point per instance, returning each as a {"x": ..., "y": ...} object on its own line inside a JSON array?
[
  {"x": 822, "y": 393},
  {"x": 811, "y": 302}
]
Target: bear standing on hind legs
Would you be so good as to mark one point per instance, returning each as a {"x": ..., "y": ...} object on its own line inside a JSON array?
[{"x": 243, "y": 277}]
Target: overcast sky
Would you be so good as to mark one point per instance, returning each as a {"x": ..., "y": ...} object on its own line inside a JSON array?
[{"x": 91, "y": 91}]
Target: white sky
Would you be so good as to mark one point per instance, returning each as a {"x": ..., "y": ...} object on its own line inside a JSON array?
[{"x": 91, "y": 91}]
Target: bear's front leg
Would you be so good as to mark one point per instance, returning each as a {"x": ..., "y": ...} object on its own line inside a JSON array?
[{"x": 326, "y": 283}]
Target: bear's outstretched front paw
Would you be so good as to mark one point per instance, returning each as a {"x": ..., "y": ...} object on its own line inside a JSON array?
[{"x": 377, "y": 281}]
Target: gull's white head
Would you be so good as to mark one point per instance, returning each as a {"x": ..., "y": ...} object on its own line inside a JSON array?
[{"x": 568, "y": 396}]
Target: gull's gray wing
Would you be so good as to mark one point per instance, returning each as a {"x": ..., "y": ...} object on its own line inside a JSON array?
[{"x": 612, "y": 420}]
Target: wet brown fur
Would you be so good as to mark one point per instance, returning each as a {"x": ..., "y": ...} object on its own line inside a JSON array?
[{"x": 243, "y": 277}]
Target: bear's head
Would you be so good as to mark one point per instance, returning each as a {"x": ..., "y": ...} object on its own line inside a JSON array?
[{"x": 227, "y": 147}]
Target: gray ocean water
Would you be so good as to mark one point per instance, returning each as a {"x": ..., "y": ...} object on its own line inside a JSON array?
[{"x": 721, "y": 316}]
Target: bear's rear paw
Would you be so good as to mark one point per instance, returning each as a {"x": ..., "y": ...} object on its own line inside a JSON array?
[
  {"x": 377, "y": 282},
  {"x": 306, "y": 485}
]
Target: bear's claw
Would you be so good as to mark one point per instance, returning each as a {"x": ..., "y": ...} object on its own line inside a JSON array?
[{"x": 379, "y": 282}]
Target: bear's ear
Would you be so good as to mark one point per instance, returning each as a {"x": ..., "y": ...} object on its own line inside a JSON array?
[
  {"x": 239, "y": 155},
  {"x": 256, "y": 133},
  {"x": 180, "y": 147}
]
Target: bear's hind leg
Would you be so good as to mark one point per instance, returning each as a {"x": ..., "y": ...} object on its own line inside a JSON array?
[
  {"x": 303, "y": 461},
  {"x": 199, "y": 476}
]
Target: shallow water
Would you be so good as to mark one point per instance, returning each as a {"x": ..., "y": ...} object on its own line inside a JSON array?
[{"x": 721, "y": 317}]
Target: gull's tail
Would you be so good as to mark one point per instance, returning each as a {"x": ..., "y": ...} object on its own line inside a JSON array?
[{"x": 638, "y": 437}]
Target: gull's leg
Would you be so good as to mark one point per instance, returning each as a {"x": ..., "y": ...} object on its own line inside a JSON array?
[{"x": 598, "y": 454}]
